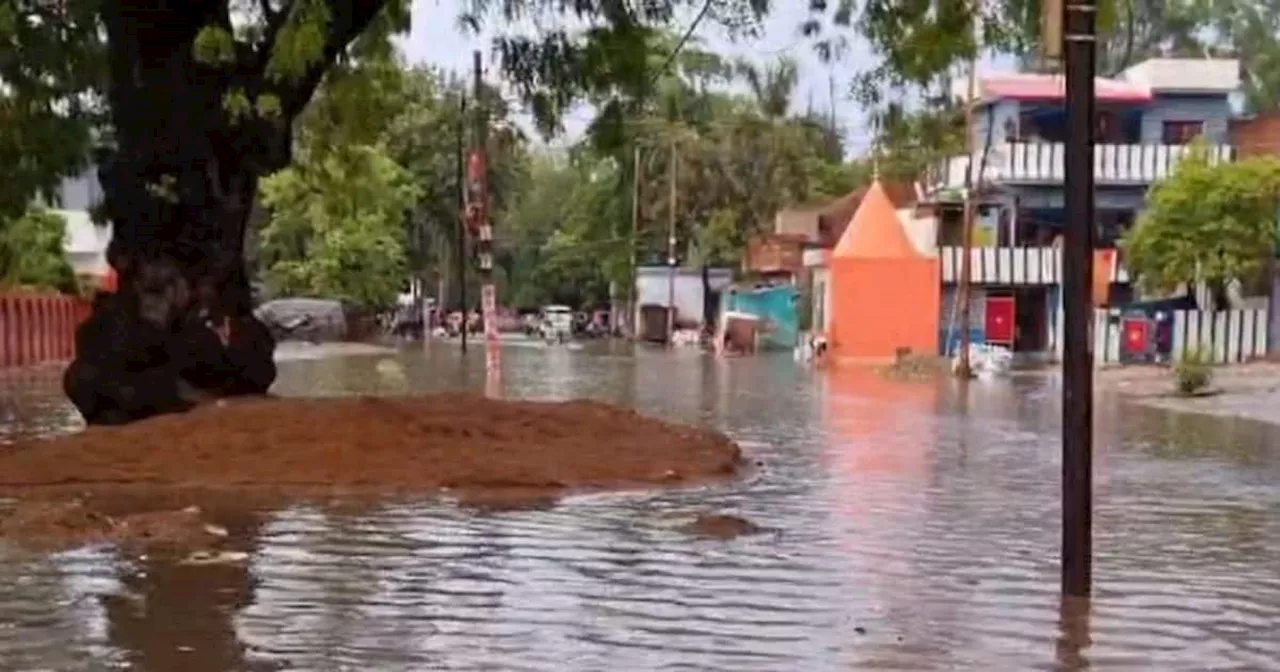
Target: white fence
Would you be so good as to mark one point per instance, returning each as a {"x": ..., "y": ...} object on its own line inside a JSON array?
[
  {"x": 1044, "y": 162},
  {"x": 1223, "y": 336},
  {"x": 1011, "y": 265}
]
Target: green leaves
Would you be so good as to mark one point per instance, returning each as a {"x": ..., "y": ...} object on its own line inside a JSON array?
[
  {"x": 214, "y": 45},
  {"x": 32, "y": 253},
  {"x": 608, "y": 51},
  {"x": 1207, "y": 223},
  {"x": 336, "y": 227},
  {"x": 51, "y": 66},
  {"x": 301, "y": 41}
]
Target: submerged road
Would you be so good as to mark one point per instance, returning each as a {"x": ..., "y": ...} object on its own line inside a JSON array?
[{"x": 909, "y": 528}]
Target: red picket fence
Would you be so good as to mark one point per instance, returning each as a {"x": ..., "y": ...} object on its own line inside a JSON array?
[{"x": 39, "y": 328}]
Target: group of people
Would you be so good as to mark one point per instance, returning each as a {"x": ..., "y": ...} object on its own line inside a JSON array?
[{"x": 408, "y": 322}]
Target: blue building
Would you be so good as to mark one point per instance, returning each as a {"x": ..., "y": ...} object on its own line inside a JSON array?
[{"x": 1145, "y": 120}]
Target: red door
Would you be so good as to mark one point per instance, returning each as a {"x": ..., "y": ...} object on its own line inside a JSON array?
[
  {"x": 1000, "y": 320},
  {"x": 1137, "y": 335}
]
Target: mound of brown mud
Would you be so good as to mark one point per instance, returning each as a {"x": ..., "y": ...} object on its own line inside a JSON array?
[
  {"x": 398, "y": 444},
  {"x": 47, "y": 525}
]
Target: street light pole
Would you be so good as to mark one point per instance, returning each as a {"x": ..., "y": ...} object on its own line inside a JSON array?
[{"x": 1079, "y": 21}]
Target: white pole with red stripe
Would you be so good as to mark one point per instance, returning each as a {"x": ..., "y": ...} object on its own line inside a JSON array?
[{"x": 482, "y": 227}]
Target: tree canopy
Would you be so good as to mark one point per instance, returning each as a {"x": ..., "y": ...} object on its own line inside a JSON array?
[{"x": 1211, "y": 223}]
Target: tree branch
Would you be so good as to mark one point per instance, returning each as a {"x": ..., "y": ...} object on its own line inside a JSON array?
[
  {"x": 348, "y": 19},
  {"x": 273, "y": 23}
]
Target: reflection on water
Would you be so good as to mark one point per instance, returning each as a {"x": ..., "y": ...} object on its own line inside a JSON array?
[{"x": 911, "y": 527}]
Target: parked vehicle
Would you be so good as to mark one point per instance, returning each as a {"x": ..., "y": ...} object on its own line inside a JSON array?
[{"x": 556, "y": 324}]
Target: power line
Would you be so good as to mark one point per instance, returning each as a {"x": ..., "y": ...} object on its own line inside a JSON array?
[{"x": 702, "y": 14}]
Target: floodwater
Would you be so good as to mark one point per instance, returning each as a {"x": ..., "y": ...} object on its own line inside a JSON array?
[{"x": 910, "y": 528}]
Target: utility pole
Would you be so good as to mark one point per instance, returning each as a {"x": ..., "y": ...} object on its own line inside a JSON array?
[
  {"x": 1079, "y": 20},
  {"x": 461, "y": 251},
  {"x": 635, "y": 231},
  {"x": 482, "y": 227},
  {"x": 671, "y": 248},
  {"x": 964, "y": 289}
]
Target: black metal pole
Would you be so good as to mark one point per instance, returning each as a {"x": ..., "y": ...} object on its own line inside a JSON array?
[
  {"x": 1079, "y": 18},
  {"x": 462, "y": 216}
]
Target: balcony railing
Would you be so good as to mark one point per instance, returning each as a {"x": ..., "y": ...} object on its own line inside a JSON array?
[
  {"x": 1043, "y": 163},
  {"x": 1011, "y": 266}
]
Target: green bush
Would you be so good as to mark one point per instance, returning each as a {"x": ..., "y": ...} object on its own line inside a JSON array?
[
  {"x": 32, "y": 254},
  {"x": 1192, "y": 373}
]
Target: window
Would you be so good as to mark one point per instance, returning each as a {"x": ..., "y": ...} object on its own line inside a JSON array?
[{"x": 1181, "y": 132}]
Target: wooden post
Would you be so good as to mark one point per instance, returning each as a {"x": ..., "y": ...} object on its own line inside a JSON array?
[
  {"x": 461, "y": 251},
  {"x": 964, "y": 288},
  {"x": 1079, "y": 17},
  {"x": 632, "y": 309},
  {"x": 671, "y": 248}
]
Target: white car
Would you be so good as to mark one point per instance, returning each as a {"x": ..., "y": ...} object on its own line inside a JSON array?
[{"x": 556, "y": 323}]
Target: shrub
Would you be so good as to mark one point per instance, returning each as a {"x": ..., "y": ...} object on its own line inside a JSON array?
[{"x": 1192, "y": 373}]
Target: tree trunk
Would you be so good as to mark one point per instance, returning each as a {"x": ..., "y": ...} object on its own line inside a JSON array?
[
  {"x": 708, "y": 310},
  {"x": 1219, "y": 295},
  {"x": 179, "y": 185}
]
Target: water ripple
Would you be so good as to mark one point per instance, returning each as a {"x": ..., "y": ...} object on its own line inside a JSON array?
[{"x": 907, "y": 528}]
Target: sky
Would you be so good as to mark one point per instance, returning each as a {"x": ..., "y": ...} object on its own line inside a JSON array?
[{"x": 437, "y": 40}]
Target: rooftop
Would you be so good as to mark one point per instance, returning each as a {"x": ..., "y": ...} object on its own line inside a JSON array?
[{"x": 1193, "y": 76}]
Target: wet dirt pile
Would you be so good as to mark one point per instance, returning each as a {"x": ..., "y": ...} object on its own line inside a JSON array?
[
  {"x": 399, "y": 444},
  {"x": 55, "y": 525}
]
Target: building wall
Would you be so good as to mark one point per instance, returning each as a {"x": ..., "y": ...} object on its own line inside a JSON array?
[
  {"x": 653, "y": 288},
  {"x": 1214, "y": 111},
  {"x": 1104, "y": 198},
  {"x": 797, "y": 222},
  {"x": 81, "y": 192},
  {"x": 1259, "y": 136},
  {"x": 821, "y": 299},
  {"x": 998, "y": 113},
  {"x": 949, "y": 317},
  {"x": 922, "y": 229},
  {"x": 882, "y": 304}
]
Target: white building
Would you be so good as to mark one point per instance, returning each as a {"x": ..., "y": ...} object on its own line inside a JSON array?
[
  {"x": 85, "y": 242},
  {"x": 656, "y": 287}
]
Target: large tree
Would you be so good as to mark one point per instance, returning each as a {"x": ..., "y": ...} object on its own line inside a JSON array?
[{"x": 201, "y": 97}]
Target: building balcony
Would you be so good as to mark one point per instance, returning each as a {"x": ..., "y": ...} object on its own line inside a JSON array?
[
  {"x": 1042, "y": 163},
  {"x": 1011, "y": 266}
]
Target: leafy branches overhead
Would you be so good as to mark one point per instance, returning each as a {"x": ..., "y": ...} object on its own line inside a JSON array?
[
  {"x": 603, "y": 52},
  {"x": 1207, "y": 223},
  {"x": 918, "y": 44},
  {"x": 51, "y": 70}
]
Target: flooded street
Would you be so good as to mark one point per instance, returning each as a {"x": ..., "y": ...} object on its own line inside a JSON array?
[{"x": 909, "y": 527}]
